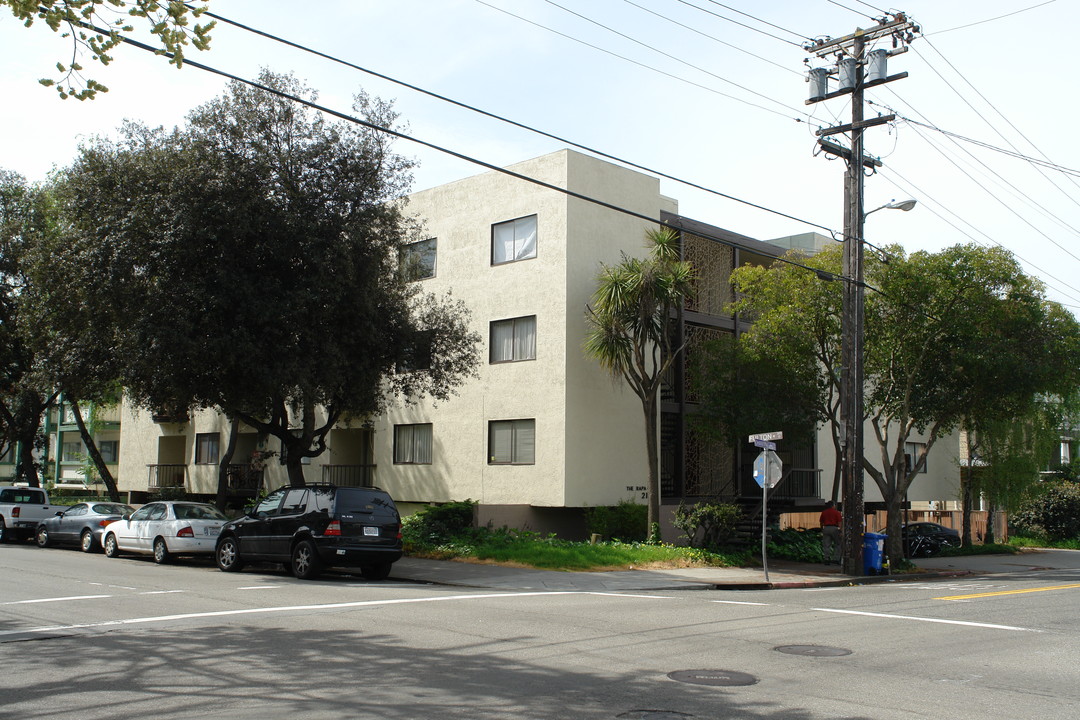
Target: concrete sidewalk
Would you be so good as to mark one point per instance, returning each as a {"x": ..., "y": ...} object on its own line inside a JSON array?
[{"x": 782, "y": 574}]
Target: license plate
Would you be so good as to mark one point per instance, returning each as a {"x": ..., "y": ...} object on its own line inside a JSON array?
[
  {"x": 212, "y": 531},
  {"x": 371, "y": 532}
]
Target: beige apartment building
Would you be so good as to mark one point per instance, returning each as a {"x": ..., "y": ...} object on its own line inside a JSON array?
[{"x": 542, "y": 431}]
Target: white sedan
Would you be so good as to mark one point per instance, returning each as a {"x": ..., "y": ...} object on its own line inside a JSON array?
[{"x": 165, "y": 529}]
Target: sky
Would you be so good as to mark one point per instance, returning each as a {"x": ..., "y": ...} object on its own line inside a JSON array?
[{"x": 707, "y": 92}]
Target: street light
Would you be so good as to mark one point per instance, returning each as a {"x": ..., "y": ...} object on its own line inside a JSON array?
[
  {"x": 851, "y": 401},
  {"x": 903, "y": 205}
]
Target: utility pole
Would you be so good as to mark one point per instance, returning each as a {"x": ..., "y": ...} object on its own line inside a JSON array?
[{"x": 853, "y": 78}]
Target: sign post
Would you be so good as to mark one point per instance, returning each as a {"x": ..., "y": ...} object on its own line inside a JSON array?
[{"x": 767, "y": 471}]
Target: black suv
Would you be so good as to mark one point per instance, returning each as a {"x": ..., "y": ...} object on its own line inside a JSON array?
[{"x": 312, "y": 527}]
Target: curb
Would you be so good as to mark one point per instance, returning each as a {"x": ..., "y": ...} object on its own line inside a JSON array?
[{"x": 846, "y": 582}]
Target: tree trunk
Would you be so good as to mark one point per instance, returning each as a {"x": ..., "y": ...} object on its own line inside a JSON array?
[
  {"x": 95, "y": 454},
  {"x": 894, "y": 543},
  {"x": 26, "y": 466},
  {"x": 990, "y": 536},
  {"x": 651, "y": 451},
  {"x": 967, "y": 499},
  {"x": 223, "y": 467}
]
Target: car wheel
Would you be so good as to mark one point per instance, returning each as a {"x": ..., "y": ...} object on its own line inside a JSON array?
[
  {"x": 306, "y": 564},
  {"x": 86, "y": 541},
  {"x": 228, "y": 555},
  {"x": 42, "y": 536},
  {"x": 376, "y": 571},
  {"x": 111, "y": 548},
  {"x": 161, "y": 552},
  {"x": 5, "y": 536}
]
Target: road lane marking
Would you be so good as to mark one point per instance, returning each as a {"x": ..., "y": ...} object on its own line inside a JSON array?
[
  {"x": 929, "y": 620},
  {"x": 56, "y": 599},
  {"x": 738, "y": 602},
  {"x": 161, "y": 592},
  {"x": 258, "y": 587},
  {"x": 300, "y": 608},
  {"x": 1009, "y": 592}
]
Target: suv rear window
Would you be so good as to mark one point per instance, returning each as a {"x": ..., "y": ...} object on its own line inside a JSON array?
[{"x": 360, "y": 498}]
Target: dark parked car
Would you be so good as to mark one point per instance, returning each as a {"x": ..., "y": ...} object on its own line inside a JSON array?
[
  {"x": 309, "y": 528},
  {"x": 81, "y": 525},
  {"x": 923, "y": 539}
]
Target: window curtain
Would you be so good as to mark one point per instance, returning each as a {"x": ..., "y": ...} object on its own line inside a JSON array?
[
  {"x": 502, "y": 341},
  {"x": 500, "y": 442},
  {"x": 412, "y": 444},
  {"x": 525, "y": 338},
  {"x": 525, "y": 238},
  {"x": 502, "y": 249}
]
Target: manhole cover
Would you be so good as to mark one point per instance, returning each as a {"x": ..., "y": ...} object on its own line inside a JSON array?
[
  {"x": 653, "y": 715},
  {"x": 712, "y": 677},
  {"x": 813, "y": 650}
]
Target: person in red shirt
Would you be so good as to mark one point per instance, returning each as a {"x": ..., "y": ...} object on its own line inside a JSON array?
[{"x": 830, "y": 533}]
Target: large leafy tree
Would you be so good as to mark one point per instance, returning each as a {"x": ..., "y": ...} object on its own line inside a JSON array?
[
  {"x": 632, "y": 331},
  {"x": 24, "y": 394},
  {"x": 251, "y": 262},
  {"x": 948, "y": 336},
  {"x": 96, "y": 27}
]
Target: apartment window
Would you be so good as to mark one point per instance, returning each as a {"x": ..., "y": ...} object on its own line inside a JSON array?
[
  {"x": 419, "y": 258},
  {"x": 416, "y": 354},
  {"x": 912, "y": 451},
  {"x": 72, "y": 451},
  {"x": 513, "y": 340},
  {"x": 207, "y": 446},
  {"x": 412, "y": 444},
  {"x": 110, "y": 450},
  {"x": 513, "y": 240},
  {"x": 512, "y": 442}
]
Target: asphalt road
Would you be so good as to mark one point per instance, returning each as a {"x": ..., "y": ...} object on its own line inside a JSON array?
[{"x": 88, "y": 637}]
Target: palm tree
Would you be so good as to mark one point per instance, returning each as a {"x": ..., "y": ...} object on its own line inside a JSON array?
[{"x": 632, "y": 327}]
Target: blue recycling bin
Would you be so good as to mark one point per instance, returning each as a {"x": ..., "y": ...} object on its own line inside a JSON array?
[{"x": 873, "y": 553}]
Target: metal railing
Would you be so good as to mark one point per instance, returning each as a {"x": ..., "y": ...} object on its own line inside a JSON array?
[
  {"x": 244, "y": 479},
  {"x": 349, "y": 475},
  {"x": 166, "y": 476}
]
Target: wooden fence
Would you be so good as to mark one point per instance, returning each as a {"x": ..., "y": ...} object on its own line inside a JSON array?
[{"x": 875, "y": 522}]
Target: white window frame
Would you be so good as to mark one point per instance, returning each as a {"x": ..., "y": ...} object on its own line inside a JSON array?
[
  {"x": 413, "y": 444},
  {"x": 514, "y": 240},
  {"x": 520, "y": 347},
  {"x": 515, "y": 443}
]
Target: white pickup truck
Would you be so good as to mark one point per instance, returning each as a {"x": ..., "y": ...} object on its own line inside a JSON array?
[{"x": 21, "y": 509}]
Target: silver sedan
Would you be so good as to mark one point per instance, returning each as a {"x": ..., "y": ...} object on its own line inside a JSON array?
[{"x": 165, "y": 529}]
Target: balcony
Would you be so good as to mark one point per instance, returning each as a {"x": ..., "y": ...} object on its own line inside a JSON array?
[
  {"x": 349, "y": 475},
  {"x": 170, "y": 415},
  {"x": 244, "y": 480},
  {"x": 166, "y": 476}
]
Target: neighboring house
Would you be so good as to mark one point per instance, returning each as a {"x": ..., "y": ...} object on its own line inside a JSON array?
[
  {"x": 66, "y": 459},
  {"x": 543, "y": 431}
]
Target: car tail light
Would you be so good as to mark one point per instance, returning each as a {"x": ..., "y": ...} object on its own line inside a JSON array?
[
  {"x": 186, "y": 532},
  {"x": 399, "y": 531},
  {"x": 106, "y": 521},
  {"x": 15, "y": 511},
  {"x": 334, "y": 528}
]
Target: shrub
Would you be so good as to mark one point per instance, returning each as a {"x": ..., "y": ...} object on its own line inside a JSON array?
[
  {"x": 1054, "y": 512},
  {"x": 708, "y": 525},
  {"x": 439, "y": 524},
  {"x": 626, "y": 521},
  {"x": 798, "y": 545}
]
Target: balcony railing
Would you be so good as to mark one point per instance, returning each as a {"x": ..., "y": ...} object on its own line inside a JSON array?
[
  {"x": 166, "y": 476},
  {"x": 244, "y": 479},
  {"x": 349, "y": 475}
]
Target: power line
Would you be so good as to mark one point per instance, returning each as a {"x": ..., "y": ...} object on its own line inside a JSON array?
[
  {"x": 650, "y": 67},
  {"x": 995, "y": 109},
  {"x": 712, "y": 37},
  {"x": 922, "y": 193},
  {"x": 667, "y": 54},
  {"x": 515, "y": 123},
  {"x": 748, "y": 27},
  {"x": 999, "y": 17},
  {"x": 857, "y": 12}
]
